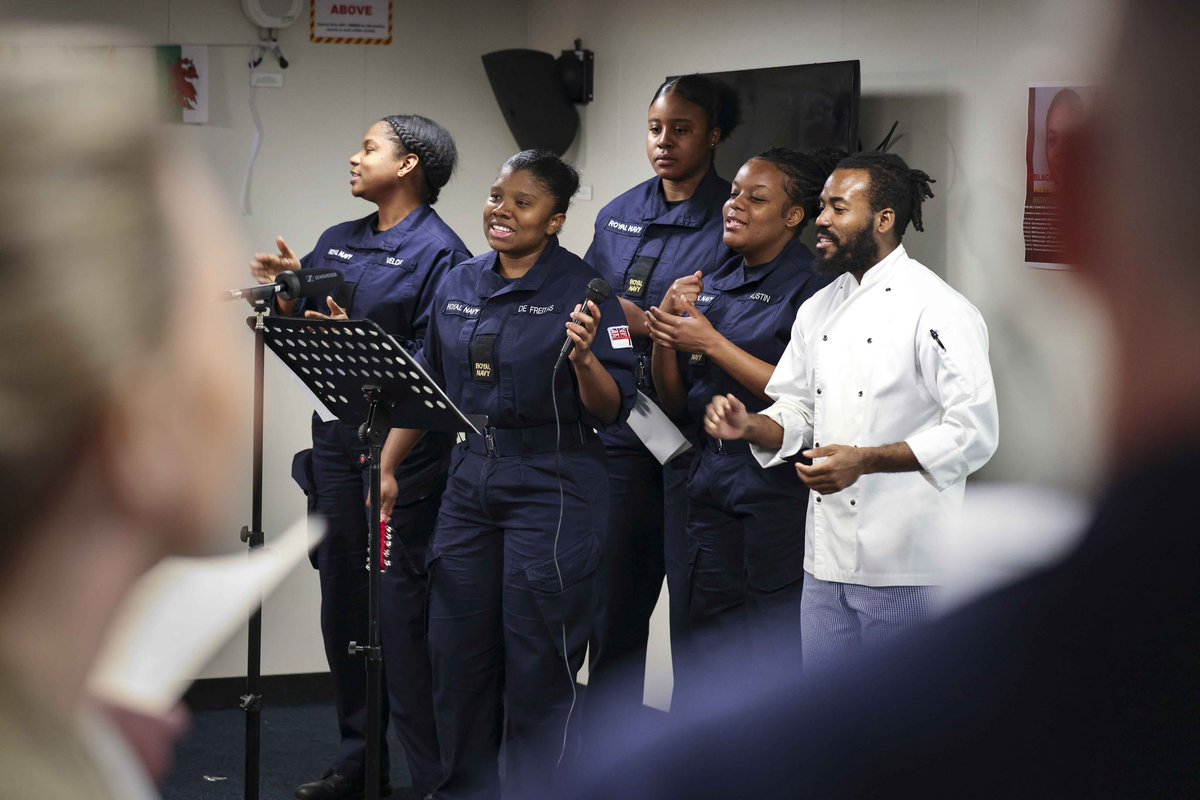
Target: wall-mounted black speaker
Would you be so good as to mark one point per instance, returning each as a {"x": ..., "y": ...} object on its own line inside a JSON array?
[
  {"x": 575, "y": 70},
  {"x": 537, "y": 93}
]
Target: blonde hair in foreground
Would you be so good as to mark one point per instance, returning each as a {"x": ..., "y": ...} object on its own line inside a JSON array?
[{"x": 81, "y": 224}]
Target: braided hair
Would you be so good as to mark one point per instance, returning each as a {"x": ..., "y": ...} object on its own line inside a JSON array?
[
  {"x": 804, "y": 176},
  {"x": 429, "y": 142},
  {"x": 893, "y": 185},
  {"x": 721, "y": 104}
]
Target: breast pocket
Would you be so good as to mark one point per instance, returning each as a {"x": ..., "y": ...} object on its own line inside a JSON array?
[
  {"x": 621, "y": 256},
  {"x": 387, "y": 293},
  {"x": 529, "y": 348},
  {"x": 668, "y": 266},
  {"x": 708, "y": 305},
  {"x": 754, "y": 324},
  {"x": 456, "y": 323}
]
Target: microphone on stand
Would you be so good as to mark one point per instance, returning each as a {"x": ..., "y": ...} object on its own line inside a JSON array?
[
  {"x": 598, "y": 291},
  {"x": 291, "y": 285}
]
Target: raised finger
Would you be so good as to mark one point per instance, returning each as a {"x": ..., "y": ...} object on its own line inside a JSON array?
[{"x": 284, "y": 250}]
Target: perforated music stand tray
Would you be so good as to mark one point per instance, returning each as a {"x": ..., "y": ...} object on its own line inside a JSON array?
[{"x": 337, "y": 359}]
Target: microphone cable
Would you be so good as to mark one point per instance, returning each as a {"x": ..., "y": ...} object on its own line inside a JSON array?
[
  {"x": 558, "y": 570},
  {"x": 598, "y": 291}
]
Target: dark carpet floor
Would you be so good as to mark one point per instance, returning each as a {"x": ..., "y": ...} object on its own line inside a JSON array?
[{"x": 298, "y": 743}]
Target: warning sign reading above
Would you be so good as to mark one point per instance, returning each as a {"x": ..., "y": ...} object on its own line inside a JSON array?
[{"x": 360, "y": 22}]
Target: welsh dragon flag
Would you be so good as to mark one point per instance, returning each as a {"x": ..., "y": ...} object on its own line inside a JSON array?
[{"x": 183, "y": 82}]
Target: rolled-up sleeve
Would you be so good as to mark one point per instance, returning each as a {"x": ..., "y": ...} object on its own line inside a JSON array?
[
  {"x": 952, "y": 353},
  {"x": 792, "y": 410},
  {"x": 620, "y": 362}
]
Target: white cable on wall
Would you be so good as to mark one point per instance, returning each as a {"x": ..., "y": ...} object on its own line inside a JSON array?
[{"x": 254, "y": 148}]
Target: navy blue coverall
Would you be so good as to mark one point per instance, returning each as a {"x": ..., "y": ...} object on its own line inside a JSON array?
[
  {"x": 517, "y": 543},
  {"x": 642, "y": 245},
  {"x": 390, "y": 277},
  {"x": 745, "y": 524}
]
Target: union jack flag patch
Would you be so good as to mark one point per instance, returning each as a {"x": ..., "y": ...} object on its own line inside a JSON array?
[{"x": 618, "y": 337}]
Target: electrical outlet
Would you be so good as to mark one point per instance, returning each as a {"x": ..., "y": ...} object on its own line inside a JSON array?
[{"x": 266, "y": 80}]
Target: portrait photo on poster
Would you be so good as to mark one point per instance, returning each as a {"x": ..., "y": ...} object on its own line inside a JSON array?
[{"x": 1055, "y": 111}]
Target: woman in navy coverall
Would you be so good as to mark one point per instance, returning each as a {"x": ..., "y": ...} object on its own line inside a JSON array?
[
  {"x": 518, "y": 539},
  {"x": 724, "y": 333},
  {"x": 392, "y": 260},
  {"x": 660, "y": 230}
]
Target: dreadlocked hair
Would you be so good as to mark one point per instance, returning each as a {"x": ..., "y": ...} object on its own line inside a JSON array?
[
  {"x": 804, "y": 176},
  {"x": 429, "y": 142},
  {"x": 893, "y": 185}
]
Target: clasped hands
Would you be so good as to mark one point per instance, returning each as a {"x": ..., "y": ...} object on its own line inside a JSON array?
[{"x": 677, "y": 324}]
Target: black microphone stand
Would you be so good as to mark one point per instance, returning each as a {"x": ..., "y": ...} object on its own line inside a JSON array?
[
  {"x": 289, "y": 285},
  {"x": 251, "y": 701}
]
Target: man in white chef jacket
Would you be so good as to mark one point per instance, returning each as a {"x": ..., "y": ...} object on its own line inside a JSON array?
[{"x": 886, "y": 386}]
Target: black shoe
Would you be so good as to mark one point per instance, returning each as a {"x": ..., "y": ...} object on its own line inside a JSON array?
[{"x": 336, "y": 786}]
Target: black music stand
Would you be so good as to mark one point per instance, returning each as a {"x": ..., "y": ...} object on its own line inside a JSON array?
[{"x": 363, "y": 375}]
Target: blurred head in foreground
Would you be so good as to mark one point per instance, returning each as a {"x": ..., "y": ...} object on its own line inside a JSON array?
[
  {"x": 1137, "y": 161},
  {"x": 117, "y": 417}
]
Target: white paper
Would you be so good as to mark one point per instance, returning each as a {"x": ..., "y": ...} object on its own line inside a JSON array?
[
  {"x": 318, "y": 405},
  {"x": 182, "y": 612},
  {"x": 656, "y": 431}
]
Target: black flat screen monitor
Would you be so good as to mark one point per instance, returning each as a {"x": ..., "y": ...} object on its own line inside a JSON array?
[{"x": 804, "y": 107}]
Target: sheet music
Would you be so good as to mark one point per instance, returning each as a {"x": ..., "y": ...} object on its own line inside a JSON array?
[{"x": 318, "y": 406}]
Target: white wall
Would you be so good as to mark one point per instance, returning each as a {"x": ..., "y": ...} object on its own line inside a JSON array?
[
  {"x": 332, "y": 94},
  {"x": 954, "y": 74}
]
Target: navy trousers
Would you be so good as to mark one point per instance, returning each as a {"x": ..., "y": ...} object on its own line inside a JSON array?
[
  {"x": 408, "y": 671},
  {"x": 644, "y": 541},
  {"x": 746, "y": 545},
  {"x": 510, "y": 614},
  {"x": 337, "y": 485}
]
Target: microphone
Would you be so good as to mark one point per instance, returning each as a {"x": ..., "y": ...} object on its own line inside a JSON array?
[
  {"x": 291, "y": 285},
  {"x": 598, "y": 291}
]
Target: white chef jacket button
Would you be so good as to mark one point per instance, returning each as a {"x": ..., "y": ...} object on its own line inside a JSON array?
[
  {"x": 818, "y": 391},
  {"x": 868, "y": 340},
  {"x": 825, "y": 338},
  {"x": 860, "y": 393},
  {"x": 853, "y": 503},
  {"x": 818, "y": 498}
]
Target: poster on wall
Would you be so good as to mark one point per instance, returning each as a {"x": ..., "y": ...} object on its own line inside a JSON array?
[
  {"x": 183, "y": 83},
  {"x": 359, "y": 22},
  {"x": 1054, "y": 113}
]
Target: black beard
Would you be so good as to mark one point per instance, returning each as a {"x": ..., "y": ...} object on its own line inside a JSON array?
[{"x": 858, "y": 254}]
